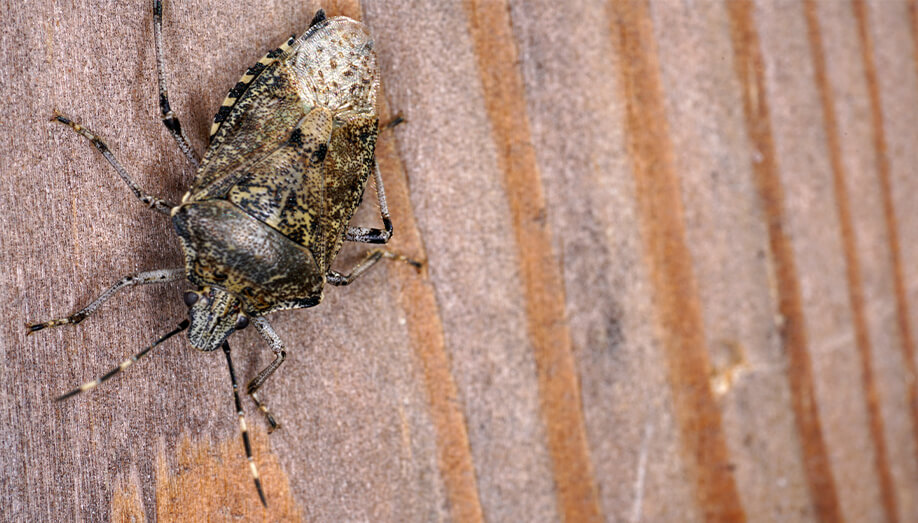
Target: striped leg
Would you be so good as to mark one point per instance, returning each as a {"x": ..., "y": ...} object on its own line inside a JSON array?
[
  {"x": 242, "y": 427},
  {"x": 124, "y": 364},
  {"x": 169, "y": 119},
  {"x": 267, "y": 332},
  {"x": 142, "y": 278},
  {"x": 153, "y": 202}
]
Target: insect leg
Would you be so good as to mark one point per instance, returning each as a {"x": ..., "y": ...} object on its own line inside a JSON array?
[
  {"x": 245, "y": 433},
  {"x": 267, "y": 332},
  {"x": 168, "y": 117},
  {"x": 371, "y": 258},
  {"x": 123, "y": 365},
  {"x": 142, "y": 278},
  {"x": 153, "y": 202},
  {"x": 372, "y": 235},
  {"x": 396, "y": 120}
]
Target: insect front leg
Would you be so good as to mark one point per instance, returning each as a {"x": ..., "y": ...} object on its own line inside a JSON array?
[
  {"x": 142, "y": 278},
  {"x": 242, "y": 427},
  {"x": 267, "y": 332},
  {"x": 370, "y": 259},
  {"x": 153, "y": 202},
  {"x": 169, "y": 119}
]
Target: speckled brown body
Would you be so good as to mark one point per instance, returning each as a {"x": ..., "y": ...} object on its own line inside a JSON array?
[
  {"x": 286, "y": 168},
  {"x": 291, "y": 149}
]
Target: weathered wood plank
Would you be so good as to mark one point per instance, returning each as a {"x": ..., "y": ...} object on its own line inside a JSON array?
[{"x": 670, "y": 246}]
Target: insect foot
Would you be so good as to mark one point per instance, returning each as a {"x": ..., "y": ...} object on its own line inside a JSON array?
[{"x": 291, "y": 149}]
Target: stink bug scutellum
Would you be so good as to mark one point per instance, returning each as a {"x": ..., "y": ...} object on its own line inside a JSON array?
[{"x": 291, "y": 149}]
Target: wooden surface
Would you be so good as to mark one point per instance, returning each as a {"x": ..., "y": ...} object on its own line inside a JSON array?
[{"x": 671, "y": 272}]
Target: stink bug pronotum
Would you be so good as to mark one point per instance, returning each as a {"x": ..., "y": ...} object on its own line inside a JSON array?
[{"x": 291, "y": 149}]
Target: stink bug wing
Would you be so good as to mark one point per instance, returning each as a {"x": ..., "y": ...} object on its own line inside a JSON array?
[
  {"x": 259, "y": 122},
  {"x": 336, "y": 61},
  {"x": 350, "y": 161},
  {"x": 286, "y": 189},
  {"x": 331, "y": 65},
  {"x": 336, "y": 65}
]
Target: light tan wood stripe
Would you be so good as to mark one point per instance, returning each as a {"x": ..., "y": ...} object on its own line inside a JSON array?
[
  {"x": 913, "y": 18},
  {"x": 549, "y": 333},
  {"x": 751, "y": 75},
  {"x": 903, "y": 313},
  {"x": 425, "y": 328},
  {"x": 675, "y": 290},
  {"x": 852, "y": 262}
]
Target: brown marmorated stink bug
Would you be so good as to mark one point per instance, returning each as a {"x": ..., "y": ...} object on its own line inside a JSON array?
[{"x": 291, "y": 149}]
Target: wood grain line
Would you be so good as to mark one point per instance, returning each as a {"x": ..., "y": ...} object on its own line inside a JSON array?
[
  {"x": 416, "y": 297},
  {"x": 678, "y": 304},
  {"x": 750, "y": 71},
  {"x": 852, "y": 263},
  {"x": 425, "y": 329},
  {"x": 549, "y": 332},
  {"x": 889, "y": 212}
]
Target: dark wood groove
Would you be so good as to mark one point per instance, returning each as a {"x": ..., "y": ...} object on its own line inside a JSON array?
[
  {"x": 884, "y": 175},
  {"x": 750, "y": 71},
  {"x": 678, "y": 305},
  {"x": 549, "y": 332},
  {"x": 852, "y": 264}
]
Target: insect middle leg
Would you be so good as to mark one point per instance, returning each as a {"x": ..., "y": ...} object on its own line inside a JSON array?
[
  {"x": 267, "y": 332},
  {"x": 153, "y": 202},
  {"x": 369, "y": 234},
  {"x": 142, "y": 278},
  {"x": 169, "y": 119},
  {"x": 373, "y": 235}
]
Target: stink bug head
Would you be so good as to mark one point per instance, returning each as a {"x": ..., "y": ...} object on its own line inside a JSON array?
[{"x": 214, "y": 315}]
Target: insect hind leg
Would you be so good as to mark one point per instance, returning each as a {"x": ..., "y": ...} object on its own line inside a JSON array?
[
  {"x": 372, "y": 235},
  {"x": 169, "y": 119},
  {"x": 396, "y": 120},
  {"x": 369, "y": 260}
]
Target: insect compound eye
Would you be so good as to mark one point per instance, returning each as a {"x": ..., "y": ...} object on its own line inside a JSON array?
[
  {"x": 191, "y": 298},
  {"x": 242, "y": 322}
]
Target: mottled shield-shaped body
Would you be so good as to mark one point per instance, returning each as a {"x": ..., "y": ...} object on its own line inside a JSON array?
[{"x": 291, "y": 150}]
